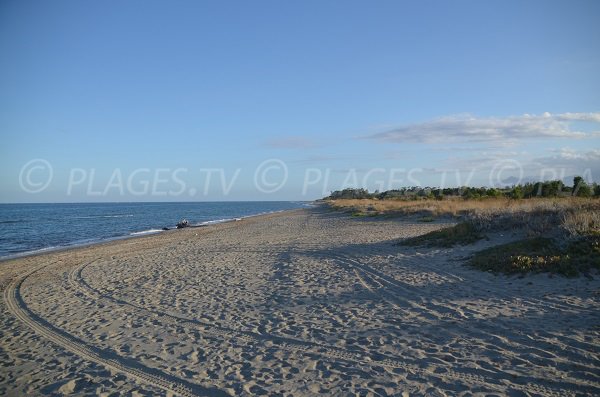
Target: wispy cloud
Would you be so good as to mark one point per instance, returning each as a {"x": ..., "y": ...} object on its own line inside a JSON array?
[
  {"x": 471, "y": 129},
  {"x": 290, "y": 142},
  {"x": 565, "y": 162},
  {"x": 483, "y": 160},
  {"x": 560, "y": 163},
  {"x": 568, "y": 157}
]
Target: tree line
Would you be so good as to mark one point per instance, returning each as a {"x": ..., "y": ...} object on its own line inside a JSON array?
[{"x": 554, "y": 188}]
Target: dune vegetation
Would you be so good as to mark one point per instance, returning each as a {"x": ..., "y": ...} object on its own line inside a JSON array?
[{"x": 560, "y": 234}]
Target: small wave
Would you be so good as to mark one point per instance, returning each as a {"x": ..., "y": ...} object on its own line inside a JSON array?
[
  {"x": 103, "y": 216},
  {"x": 149, "y": 231},
  {"x": 215, "y": 221},
  {"x": 237, "y": 219},
  {"x": 38, "y": 250},
  {"x": 50, "y": 248},
  {"x": 263, "y": 213}
]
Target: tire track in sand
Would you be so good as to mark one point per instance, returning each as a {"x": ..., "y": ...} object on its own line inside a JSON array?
[
  {"x": 304, "y": 347},
  {"x": 388, "y": 289},
  {"x": 310, "y": 349},
  {"x": 131, "y": 368}
]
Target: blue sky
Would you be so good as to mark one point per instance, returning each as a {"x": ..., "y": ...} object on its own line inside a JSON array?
[{"x": 289, "y": 100}]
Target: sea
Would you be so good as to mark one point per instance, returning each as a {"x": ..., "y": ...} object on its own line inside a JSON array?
[{"x": 32, "y": 228}]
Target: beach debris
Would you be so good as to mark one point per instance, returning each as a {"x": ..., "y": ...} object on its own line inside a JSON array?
[
  {"x": 182, "y": 223},
  {"x": 165, "y": 228}
]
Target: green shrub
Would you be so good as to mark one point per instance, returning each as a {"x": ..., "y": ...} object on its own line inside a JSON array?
[
  {"x": 540, "y": 255},
  {"x": 517, "y": 192}
]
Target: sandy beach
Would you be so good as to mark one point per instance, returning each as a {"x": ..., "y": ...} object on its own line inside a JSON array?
[{"x": 301, "y": 303}]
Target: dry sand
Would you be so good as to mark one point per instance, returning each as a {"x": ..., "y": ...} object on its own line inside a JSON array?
[{"x": 295, "y": 304}]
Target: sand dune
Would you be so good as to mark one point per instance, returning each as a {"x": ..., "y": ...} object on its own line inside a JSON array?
[{"x": 295, "y": 304}]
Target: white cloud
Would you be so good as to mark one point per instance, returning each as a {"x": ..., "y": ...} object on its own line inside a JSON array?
[
  {"x": 484, "y": 159},
  {"x": 566, "y": 162},
  {"x": 569, "y": 156},
  {"x": 454, "y": 129},
  {"x": 591, "y": 117},
  {"x": 506, "y": 168}
]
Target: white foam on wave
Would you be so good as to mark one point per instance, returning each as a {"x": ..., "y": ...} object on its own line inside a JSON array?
[
  {"x": 216, "y": 221},
  {"x": 237, "y": 219},
  {"x": 59, "y": 247},
  {"x": 149, "y": 231}
]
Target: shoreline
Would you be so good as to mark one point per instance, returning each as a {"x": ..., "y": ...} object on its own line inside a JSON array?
[{"x": 131, "y": 235}]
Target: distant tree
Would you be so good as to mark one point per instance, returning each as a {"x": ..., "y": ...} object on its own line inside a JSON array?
[
  {"x": 470, "y": 193},
  {"x": 584, "y": 191},
  {"x": 451, "y": 191},
  {"x": 537, "y": 189},
  {"x": 554, "y": 188},
  {"x": 549, "y": 188},
  {"x": 491, "y": 192},
  {"x": 528, "y": 190},
  {"x": 350, "y": 194},
  {"x": 517, "y": 192},
  {"x": 580, "y": 188},
  {"x": 438, "y": 194},
  {"x": 391, "y": 195},
  {"x": 577, "y": 181}
]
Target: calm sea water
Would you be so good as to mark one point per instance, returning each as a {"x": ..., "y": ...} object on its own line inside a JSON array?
[{"x": 32, "y": 227}]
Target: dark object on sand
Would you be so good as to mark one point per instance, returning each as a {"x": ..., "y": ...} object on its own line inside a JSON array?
[
  {"x": 165, "y": 228},
  {"x": 182, "y": 223}
]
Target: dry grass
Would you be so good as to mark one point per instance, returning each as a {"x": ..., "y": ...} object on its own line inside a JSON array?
[
  {"x": 564, "y": 233},
  {"x": 577, "y": 216},
  {"x": 458, "y": 207},
  {"x": 581, "y": 222}
]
